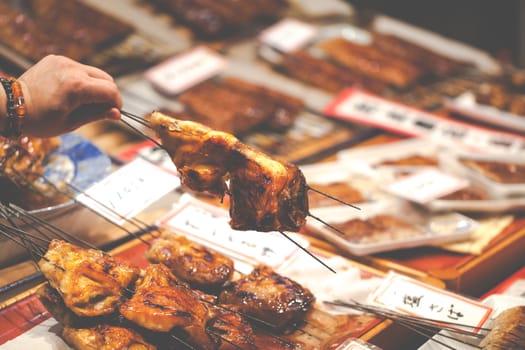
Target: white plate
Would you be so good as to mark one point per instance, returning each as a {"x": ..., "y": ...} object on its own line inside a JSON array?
[
  {"x": 498, "y": 303},
  {"x": 465, "y": 104}
]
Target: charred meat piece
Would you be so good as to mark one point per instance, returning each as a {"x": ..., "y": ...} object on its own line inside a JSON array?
[
  {"x": 212, "y": 19},
  {"x": 162, "y": 303},
  {"x": 21, "y": 163},
  {"x": 372, "y": 63},
  {"x": 431, "y": 61},
  {"x": 230, "y": 330},
  {"x": 190, "y": 261},
  {"x": 265, "y": 194},
  {"x": 236, "y": 106},
  {"x": 268, "y": 296},
  {"x": 326, "y": 75},
  {"x": 379, "y": 228},
  {"x": 342, "y": 191},
  {"x": 90, "y": 281},
  {"x": 70, "y": 28},
  {"x": 105, "y": 337}
]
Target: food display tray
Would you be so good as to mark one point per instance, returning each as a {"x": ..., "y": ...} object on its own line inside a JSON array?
[{"x": 467, "y": 274}]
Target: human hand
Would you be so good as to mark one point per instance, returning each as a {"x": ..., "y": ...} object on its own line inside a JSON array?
[{"x": 61, "y": 95}]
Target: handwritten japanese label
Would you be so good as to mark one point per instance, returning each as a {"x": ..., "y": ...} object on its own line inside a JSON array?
[
  {"x": 129, "y": 190},
  {"x": 288, "y": 35},
  {"x": 210, "y": 226},
  {"x": 356, "y": 105},
  {"x": 426, "y": 185},
  {"x": 182, "y": 72},
  {"x": 407, "y": 295}
]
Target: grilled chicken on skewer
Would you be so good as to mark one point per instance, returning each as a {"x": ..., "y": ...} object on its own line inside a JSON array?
[
  {"x": 190, "y": 261},
  {"x": 230, "y": 330},
  {"x": 268, "y": 296},
  {"x": 90, "y": 281},
  {"x": 265, "y": 194},
  {"x": 105, "y": 337},
  {"x": 161, "y": 303}
]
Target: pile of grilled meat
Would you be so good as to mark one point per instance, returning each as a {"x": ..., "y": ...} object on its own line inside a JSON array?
[{"x": 186, "y": 297}]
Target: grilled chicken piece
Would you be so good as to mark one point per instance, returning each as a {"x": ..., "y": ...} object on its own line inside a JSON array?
[
  {"x": 230, "y": 330},
  {"x": 105, "y": 337},
  {"x": 90, "y": 281},
  {"x": 190, "y": 261},
  {"x": 162, "y": 303},
  {"x": 268, "y": 296},
  {"x": 265, "y": 194}
]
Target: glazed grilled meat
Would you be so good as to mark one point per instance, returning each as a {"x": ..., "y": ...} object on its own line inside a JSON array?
[
  {"x": 105, "y": 337},
  {"x": 21, "y": 163},
  {"x": 69, "y": 28},
  {"x": 325, "y": 74},
  {"x": 230, "y": 331},
  {"x": 161, "y": 302},
  {"x": 265, "y": 194},
  {"x": 268, "y": 296},
  {"x": 90, "y": 282},
  {"x": 372, "y": 62},
  {"x": 212, "y": 19},
  {"x": 190, "y": 261},
  {"x": 236, "y": 106},
  {"x": 431, "y": 61}
]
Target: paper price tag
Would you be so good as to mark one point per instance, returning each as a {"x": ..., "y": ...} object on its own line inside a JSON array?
[
  {"x": 403, "y": 294},
  {"x": 129, "y": 190},
  {"x": 426, "y": 185},
  {"x": 210, "y": 226},
  {"x": 365, "y": 108},
  {"x": 184, "y": 71},
  {"x": 288, "y": 35}
]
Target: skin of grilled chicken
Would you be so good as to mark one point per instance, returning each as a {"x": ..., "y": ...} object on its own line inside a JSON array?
[
  {"x": 268, "y": 296},
  {"x": 265, "y": 194},
  {"x": 190, "y": 261},
  {"x": 90, "y": 282},
  {"x": 230, "y": 330},
  {"x": 105, "y": 337},
  {"x": 161, "y": 303}
]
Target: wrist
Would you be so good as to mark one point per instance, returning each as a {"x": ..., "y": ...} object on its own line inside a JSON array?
[{"x": 15, "y": 108}]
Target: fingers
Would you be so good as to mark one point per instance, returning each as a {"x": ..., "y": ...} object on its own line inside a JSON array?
[
  {"x": 96, "y": 91},
  {"x": 97, "y": 73}
]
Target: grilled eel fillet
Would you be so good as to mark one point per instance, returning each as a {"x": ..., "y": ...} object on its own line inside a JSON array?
[
  {"x": 90, "y": 281},
  {"x": 265, "y": 194}
]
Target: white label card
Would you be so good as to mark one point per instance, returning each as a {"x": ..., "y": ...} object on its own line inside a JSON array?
[
  {"x": 288, "y": 35},
  {"x": 359, "y": 106},
  {"x": 427, "y": 185},
  {"x": 412, "y": 297},
  {"x": 129, "y": 190},
  {"x": 184, "y": 71},
  {"x": 210, "y": 226}
]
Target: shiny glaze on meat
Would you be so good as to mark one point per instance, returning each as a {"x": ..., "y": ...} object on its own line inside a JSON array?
[
  {"x": 190, "y": 261},
  {"x": 90, "y": 281},
  {"x": 270, "y": 297},
  {"x": 105, "y": 337},
  {"x": 265, "y": 194}
]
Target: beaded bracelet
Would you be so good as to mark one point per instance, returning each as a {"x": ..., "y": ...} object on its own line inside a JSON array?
[{"x": 15, "y": 108}]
